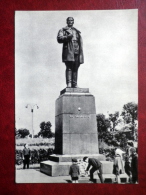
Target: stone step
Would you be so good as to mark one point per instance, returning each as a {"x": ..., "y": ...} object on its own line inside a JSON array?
[
  {"x": 69, "y": 157},
  {"x": 84, "y": 179},
  {"x": 52, "y": 168},
  {"x": 55, "y": 168},
  {"x": 107, "y": 167},
  {"x": 124, "y": 178},
  {"x": 110, "y": 178}
]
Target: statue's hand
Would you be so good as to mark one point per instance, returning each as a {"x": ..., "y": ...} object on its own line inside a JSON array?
[{"x": 70, "y": 36}]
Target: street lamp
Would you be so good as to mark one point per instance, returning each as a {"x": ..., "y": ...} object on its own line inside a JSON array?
[{"x": 32, "y": 108}]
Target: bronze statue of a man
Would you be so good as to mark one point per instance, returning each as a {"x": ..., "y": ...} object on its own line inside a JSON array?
[{"x": 72, "y": 54}]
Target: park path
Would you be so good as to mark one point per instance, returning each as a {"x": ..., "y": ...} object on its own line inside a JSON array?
[{"x": 33, "y": 175}]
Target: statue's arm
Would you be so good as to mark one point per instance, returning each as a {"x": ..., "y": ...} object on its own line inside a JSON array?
[{"x": 61, "y": 38}]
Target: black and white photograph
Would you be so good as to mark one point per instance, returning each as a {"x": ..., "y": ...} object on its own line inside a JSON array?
[{"x": 76, "y": 96}]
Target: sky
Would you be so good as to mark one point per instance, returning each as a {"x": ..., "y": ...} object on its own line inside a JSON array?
[{"x": 110, "y": 68}]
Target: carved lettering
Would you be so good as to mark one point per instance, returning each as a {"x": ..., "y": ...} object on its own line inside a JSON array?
[{"x": 79, "y": 116}]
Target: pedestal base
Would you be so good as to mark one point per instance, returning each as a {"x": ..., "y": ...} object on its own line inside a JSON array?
[
  {"x": 75, "y": 123},
  {"x": 68, "y": 157},
  {"x": 55, "y": 168},
  {"x": 59, "y": 165}
]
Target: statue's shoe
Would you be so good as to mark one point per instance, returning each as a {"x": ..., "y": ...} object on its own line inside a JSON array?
[
  {"x": 69, "y": 85},
  {"x": 75, "y": 86}
]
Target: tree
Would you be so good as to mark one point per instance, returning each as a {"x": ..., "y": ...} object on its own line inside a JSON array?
[
  {"x": 45, "y": 130},
  {"x": 22, "y": 133},
  {"x": 17, "y": 133},
  {"x": 35, "y": 136},
  {"x": 114, "y": 118},
  {"x": 102, "y": 123},
  {"x": 30, "y": 135},
  {"x": 129, "y": 113}
]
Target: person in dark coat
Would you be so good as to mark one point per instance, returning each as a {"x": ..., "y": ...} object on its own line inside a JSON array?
[
  {"x": 127, "y": 167},
  {"x": 134, "y": 165},
  {"x": 96, "y": 166},
  {"x": 26, "y": 156},
  {"x": 74, "y": 171},
  {"x": 72, "y": 54}
]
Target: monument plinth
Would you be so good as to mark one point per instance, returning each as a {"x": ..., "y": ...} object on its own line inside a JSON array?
[
  {"x": 75, "y": 122},
  {"x": 75, "y": 131}
]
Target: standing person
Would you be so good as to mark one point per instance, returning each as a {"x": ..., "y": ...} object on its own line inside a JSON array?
[
  {"x": 120, "y": 152},
  {"x": 128, "y": 167},
  {"x": 129, "y": 146},
  {"x": 74, "y": 171},
  {"x": 72, "y": 54},
  {"x": 26, "y": 156},
  {"x": 118, "y": 167},
  {"x": 134, "y": 165},
  {"x": 96, "y": 166}
]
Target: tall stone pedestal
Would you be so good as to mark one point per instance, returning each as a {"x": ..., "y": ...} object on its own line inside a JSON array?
[
  {"x": 75, "y": 123},
  {"x": 75, "y": 131}
]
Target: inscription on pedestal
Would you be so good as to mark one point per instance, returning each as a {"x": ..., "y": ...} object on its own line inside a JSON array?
[{"x": 79, "y": 116}]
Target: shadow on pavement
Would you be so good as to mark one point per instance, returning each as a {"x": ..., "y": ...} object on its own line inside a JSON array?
[{"x": 68, "y": 181}]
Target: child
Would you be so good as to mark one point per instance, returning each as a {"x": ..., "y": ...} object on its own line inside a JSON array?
[{"x": 74, "y": 171}]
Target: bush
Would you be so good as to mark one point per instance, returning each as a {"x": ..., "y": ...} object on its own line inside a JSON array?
[
  {"x": 35, "y": 142},
  {"x": 37, "y": 155}
]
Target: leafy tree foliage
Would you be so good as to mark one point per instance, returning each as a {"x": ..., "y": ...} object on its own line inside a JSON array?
[
  {"x": 102, "y": 123},
  {"x": 16, "y": 133},
  {"x": 35, "y": 136},
  {"x": 114, "y": 118},
  {"x": 30, "y": 135},
  {"x": 129, "y": 113},
  {"x": 118, "y": 137},
  {"x": 45, "y": 130},
  {"x": 21, "y": 133}
]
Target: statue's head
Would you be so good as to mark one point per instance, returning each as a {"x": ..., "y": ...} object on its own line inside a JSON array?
[{"x": 70, "y": 21}]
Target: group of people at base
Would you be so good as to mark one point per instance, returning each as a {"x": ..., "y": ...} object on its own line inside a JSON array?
[
  {"x": 74, "y": 170},
  {"x": 130, "y": 167}
]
